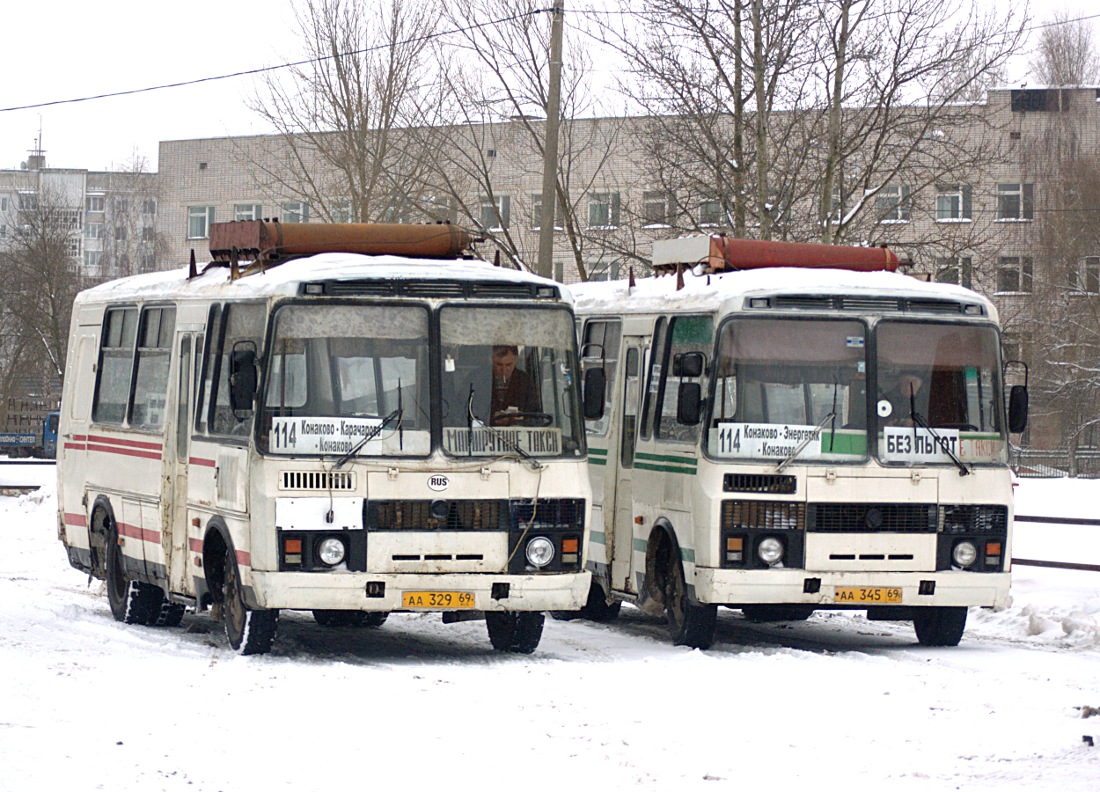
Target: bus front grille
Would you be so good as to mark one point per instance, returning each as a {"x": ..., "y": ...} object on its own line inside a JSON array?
[
  {"x": 439, "y": 515},
  {"x": 317, "y": 480},
  {"x": 872, "y": 518}
]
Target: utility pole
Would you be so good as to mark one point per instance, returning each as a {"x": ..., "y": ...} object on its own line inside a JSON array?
[{"x": 550, "y": 147}]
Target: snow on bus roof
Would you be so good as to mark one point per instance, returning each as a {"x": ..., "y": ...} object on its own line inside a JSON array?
[
  {"x": 285, "y": 278},
  {"x": 709, "y": 292}
]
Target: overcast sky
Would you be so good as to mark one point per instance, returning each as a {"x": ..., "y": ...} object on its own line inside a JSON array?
[{"x": 63, "y": 49}]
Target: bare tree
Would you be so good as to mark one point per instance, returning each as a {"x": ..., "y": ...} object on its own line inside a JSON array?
[
  {"x": 130, "y": 240},
  {"x": 42, "y": 278},
  {"x": 499, "y": 88},
  {"x": 1066, "y": 52},
  {"x": 348, "y": 116}
]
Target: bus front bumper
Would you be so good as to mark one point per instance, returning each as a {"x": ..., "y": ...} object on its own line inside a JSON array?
[
  {"x": 851, "y": 589},
  {"x": 370, "y": 592}
]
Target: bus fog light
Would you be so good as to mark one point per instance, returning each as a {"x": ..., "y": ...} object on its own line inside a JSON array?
[
  {"x": 770, "y": 550},
  {"x": 965, "y": 554},
  {"x": 331, "y": 551},
  {"x": 540, "y": 551}
]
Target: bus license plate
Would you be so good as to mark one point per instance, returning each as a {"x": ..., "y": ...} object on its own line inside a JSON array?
[
  {"x": 447, "y": 600},
  {"x": 874, "y": 595}
]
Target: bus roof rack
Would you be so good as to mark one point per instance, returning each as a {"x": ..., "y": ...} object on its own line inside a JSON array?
[
  {"x": 267, "y": 243},
  {"x": 719, "y": 253}
]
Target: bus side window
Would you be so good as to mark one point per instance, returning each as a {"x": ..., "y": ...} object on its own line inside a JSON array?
[
  {"x": 206, "y": 368},
  {"x": 154, "y": 351},
  {"x": 653, "y": 379},
  {"x": 116, "y": 357},
  {"x": 630, "y": 408},
  {"x": 242, "y": 322},
  {"x": 600, "y": 349},
  {"x": 686, "y": 334}
]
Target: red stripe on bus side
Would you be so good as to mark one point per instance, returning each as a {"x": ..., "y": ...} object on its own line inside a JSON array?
[
  {"x": 127, "y": 443},
  {"x": 137, "y": 532},
  {"x": 196, "y": 545},
  {"x": 80, "y": 520},
  {"x": 243, "y": 558},
  {"x": 124, "y": 451},
  {"x": 202, "y": 462},
  {"x": 76, "y": 446}
]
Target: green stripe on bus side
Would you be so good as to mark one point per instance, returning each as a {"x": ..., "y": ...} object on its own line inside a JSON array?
[
  {"x": 597, "y": 462},
  {"x": 641, "y": 545},
  {"x": 665, "y": 468},
  {"x": 597, "y": 451},
  {"x": 680, "y": 460},
  {"x": 599, "y": 537}
]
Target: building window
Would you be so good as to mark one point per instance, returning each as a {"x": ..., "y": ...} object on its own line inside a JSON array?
[
  {"x": 3, "y": 203},
  {"x": 495, "y": 211},
  {"x": 603, "y": 210},
  {"x": 94, "y": 203},
  {"x": 91, "y": 260},
  {"x": 892, "y": 204},
  {"x": 536, "y": 212},
  {"x": 295, "y": 212},
  {"x": 1085, "y": 277},
  {"x": 122, "y": 233},
  {"x": 149, "y": 206},
  {"x": 954, "y": 269},
  {"x": 655, "y": 208},
  {"x": 93, "y": 230},
  {"x": 3, "y": 231},
  {"x": 28, "y": 201},
  {"x": 199, "y": 219},
  {"x": 1015, "y": 201},
  {"x": 440, "y": 209},
  {"x": 148, "y": 233},
  {"x": 953, "y": 202},
  {"x": 247, "y": 211},
  {"x": 710, "y": 212},
  {"x": 1014, "y": 274}
]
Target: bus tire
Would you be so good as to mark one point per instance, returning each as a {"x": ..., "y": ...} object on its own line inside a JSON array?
[
  {"x": 518, "y": 632},
  {"x": 940, "y": 626},
  {"x": 249, "y": 631},
  {"x": 777, "y": 613},
  {"x": 689, "y": 623},
  {"x": 131, "y": 601},
  {"x": 595, "y": 609},
  {"x": 171, "y": 614}
]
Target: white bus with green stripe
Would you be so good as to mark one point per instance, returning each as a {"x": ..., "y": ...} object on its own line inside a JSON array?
[{"x": 756, "y": 448}]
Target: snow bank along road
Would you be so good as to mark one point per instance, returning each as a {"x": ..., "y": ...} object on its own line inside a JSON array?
[{"x": 835, "y": 703}]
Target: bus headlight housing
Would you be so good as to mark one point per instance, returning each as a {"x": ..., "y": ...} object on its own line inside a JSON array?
[
  {"x": 770, "y": 550},
  {"x": 331, "y": 551},
  {"x": 540, "y": 551},
  {"x": 964, "y": 554}
]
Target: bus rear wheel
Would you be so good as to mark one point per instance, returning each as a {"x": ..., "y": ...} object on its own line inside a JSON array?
[
  {"x": 249, "y": 631},
  {"x": 689, "y": 623},
  {"x": 131, "y": 601},
  {"x": 515, "y": 632},
  {"x": 940, "y": 626}
]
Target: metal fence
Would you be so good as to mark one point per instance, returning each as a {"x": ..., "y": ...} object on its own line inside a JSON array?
[{"x": 1030, "y": 463}]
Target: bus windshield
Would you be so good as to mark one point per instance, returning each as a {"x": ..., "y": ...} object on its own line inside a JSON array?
[
  {"x": 508, "y": 382},
  {"x": 788, "y": 387},
  {"x": 939, "y": 394},
  {"x": 348, "y": 380}
]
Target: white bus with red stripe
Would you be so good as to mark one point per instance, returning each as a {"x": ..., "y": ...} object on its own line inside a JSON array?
[{"x": 312, "y": 433}]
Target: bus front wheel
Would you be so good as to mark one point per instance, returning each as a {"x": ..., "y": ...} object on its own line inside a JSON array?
[
  {"x": 518, "y": 632},
  {"x": 131, "y": 601},
  {"x": 689, "y": 623},
  {"x": 940, "y": 626},
  {"x": 249, "y": 631}
]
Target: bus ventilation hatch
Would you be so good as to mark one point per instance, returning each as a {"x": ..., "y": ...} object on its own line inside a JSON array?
[
  {"x": 759, "y": 482},
  {"x": 324, "y": 480}
]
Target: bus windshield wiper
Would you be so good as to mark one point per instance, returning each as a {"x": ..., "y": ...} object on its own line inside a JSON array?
[
  {"x": 943, "y": 444},
  {"x": 805, "y": 442},
  {"x": 533, "y": 463},
  {"x": 369, "y": 435}
]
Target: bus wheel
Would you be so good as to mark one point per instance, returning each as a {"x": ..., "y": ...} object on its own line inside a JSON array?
[
  {"x": 595, "y": 609},
  {"x": 131, "y": 602},
  {"x": 171, "y": 614},
  {"x": 689, "y": 623},
  {"x": 940, "y": 626},
  {"x": 515, "y": 632},
  {"x": 777, "y": 613},
  {"x": 249, "y": 631}
]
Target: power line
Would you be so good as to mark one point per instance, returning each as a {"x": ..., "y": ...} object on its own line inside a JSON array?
[{"x": 266, "y": 69}]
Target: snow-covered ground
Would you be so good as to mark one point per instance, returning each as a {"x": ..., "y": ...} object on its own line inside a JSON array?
[{"x": 835, "y": 703}]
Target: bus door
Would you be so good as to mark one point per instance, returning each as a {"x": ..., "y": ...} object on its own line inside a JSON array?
[
  {"x": 623, "y": 541},
  {"x": 177, "y": 448}
]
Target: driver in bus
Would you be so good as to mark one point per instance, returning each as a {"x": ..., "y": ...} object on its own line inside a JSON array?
[
  {"x": 514, "y": 392},
  {"x": 904, "y": 397}
]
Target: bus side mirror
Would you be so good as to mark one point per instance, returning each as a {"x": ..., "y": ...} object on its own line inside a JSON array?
[
  {"x": 242, "y": 376},
  {"x": 689, "y": 364},
  {"x": 595, "y": 387},
  {"x": 1017, "y": 409},
  {"x": 689, "y": 404}
]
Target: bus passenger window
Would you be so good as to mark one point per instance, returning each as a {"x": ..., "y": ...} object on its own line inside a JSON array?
[{"x": 116, "y": 358}]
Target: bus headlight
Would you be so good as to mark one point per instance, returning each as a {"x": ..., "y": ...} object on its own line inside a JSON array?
[
  {"x": 540, "y": 551},
  {"x": 331, "y": 551},
  {"x": 965, "y": 554},
  {"x": 770, "y": 550}
]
